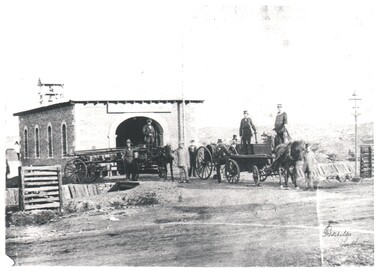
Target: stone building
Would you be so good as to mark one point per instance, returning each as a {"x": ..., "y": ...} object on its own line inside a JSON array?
[{"x": 49, "y": 134}]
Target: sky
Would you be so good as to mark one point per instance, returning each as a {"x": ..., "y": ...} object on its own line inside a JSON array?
[{"x": 235, "y": 55}]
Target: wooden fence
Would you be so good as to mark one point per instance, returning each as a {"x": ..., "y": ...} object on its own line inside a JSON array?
[
  {"x": 40, "y": 188},
  {"x": 367, "y": 163}
]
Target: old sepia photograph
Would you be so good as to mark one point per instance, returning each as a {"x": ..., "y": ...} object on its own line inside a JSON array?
[{"x": 188, "y": 133}]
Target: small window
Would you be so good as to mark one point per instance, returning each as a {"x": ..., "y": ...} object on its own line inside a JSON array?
[
  {"x": 37, "y": 142},
  {"x": 26, "y": 151},
  {"x": 50, "y": 142},
  {"x": 64, "y": 140}
]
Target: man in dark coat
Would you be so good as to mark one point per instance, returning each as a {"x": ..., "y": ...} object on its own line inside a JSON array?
[
  {"x": 129, "y": 162},
  {"x": 149, "y": 135},
  {"x": 192, "y": 151},
  {"x": 280, "y": 125},
  {"x": 246, "y": 131},
  {"x": 221, "y": 157}
]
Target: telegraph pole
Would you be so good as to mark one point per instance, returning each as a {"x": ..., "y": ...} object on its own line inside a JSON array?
[{"x": 356, "y": 114}]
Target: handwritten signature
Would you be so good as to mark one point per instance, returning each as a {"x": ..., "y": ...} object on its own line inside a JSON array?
[
  {"x": 329, "y": 232},
  {"x": 345, "y": 240}
]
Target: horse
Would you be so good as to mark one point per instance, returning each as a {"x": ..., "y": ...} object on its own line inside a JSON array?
[
  {"x": 163, "y": 158},
  {"x": 288, "y": 156}
]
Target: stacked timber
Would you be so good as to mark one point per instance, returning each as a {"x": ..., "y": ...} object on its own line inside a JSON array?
[
  {"x": 40, "y": 188},
  {"x": 367, "y": 161}
]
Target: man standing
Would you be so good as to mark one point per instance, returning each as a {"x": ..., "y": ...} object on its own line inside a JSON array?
[
  {"x": 17, "y": 149},
  {"x": 149, "y": 135},
  {"x": 221, "y": 158},
  {"x": 182, "y": 159},
  {"x": 129, "y": 162},
  {"x": 192, "y": 151},
  {"x": 246, "y": 131},
  {"x": 280, "y": 125},
  {"x": 310, "y": 165}
]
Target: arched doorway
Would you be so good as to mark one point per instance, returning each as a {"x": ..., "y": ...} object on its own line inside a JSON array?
[{"x": 132, "y": 129}]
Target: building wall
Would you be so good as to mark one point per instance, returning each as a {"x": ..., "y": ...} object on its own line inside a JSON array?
[
  {"x": 93, "y": 126},
  {"x": 54, "y": 117},
  {"x": 96, "y": 124}
]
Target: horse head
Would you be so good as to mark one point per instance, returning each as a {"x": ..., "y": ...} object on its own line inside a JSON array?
[{"x": 297, "y": 150}]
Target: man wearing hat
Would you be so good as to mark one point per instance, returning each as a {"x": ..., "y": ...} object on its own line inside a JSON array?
[
  {"x": 192, "y": 151},
  {"x": 129, "y": 162},
  {"x": 149, "y": 135},
  {"x": 221, "y": 158},
  {"x": 233, "y": 141},
  {"x": 280, "y": 125},
  {"x": 246, "y": 131}
]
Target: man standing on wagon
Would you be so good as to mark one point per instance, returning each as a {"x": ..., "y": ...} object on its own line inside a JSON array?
[
  {"x": 149, "y": 135},
  {"x": 280, "y": 125},
  {"x": 246, "y": 131}
]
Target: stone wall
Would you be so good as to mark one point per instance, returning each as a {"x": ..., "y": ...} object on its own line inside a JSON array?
[{"x": 54, "y": 118}]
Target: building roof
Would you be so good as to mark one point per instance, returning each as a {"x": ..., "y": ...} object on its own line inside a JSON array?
[{"x": 71, "y": 102}]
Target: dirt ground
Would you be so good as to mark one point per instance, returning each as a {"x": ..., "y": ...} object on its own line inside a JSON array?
[{"x": 204, "y": 223}]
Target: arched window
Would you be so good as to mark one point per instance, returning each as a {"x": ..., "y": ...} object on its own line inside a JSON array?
[
  {"x": 50, "y": 142},
  {"x": 37, "y": 142},
  {"x": 26, "y": 151},
  {"x": 64, "y": 140}
]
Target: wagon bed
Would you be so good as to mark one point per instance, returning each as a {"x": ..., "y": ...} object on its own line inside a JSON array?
[
  {"x": 86, "y": 165},
  {"x": 237, "y": 162}
]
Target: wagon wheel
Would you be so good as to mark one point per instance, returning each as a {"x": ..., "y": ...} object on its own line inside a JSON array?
[
  {"x": 256, "y": 175},
  {"x": 75, "y": 171},
  {"x": 264, "y": 172},
  {"x": 92, "y": 173},
  {"x": 232, "y": 171},
  {"x": 162, "y": 172},
  {"x": 203, "y": 163}
]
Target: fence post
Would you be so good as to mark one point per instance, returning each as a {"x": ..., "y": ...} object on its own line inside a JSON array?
[
  {"x": 21, "y": 188},
  {"x": 60, "y": 187}
]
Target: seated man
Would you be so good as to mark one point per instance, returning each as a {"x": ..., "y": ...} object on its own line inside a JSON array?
[{"x": 221, "y": 157}]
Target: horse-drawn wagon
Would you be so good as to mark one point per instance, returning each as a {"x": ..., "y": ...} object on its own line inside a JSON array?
[
  {"x": 87, "y": 165},
  {"x": 260, "y": 162}
]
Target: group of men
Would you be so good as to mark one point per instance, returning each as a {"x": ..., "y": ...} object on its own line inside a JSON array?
[
  {"x": 247, "y": 130},
  {"x": 186, "y": 159},
  {"x": 129, "y": 162}
]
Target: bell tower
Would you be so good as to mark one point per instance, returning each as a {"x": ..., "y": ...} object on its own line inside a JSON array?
[{"x": 48, "y": 93}]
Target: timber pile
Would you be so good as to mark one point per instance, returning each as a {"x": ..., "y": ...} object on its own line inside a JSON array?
[
  {"x": 367, "y": 161},
  {"x": 341, "y": 170},
  {"x": 85, "y": 190}
]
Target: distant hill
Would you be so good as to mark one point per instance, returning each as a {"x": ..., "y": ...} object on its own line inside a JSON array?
[{"x": 332, "y": 140}]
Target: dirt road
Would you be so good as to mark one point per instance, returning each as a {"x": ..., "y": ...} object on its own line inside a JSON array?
[{"x": 210, "y": 224}]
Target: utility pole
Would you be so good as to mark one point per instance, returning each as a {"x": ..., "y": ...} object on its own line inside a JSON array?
[
  {"x": 356, "y": 114},
  {"x": 182, "y": 89}
]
